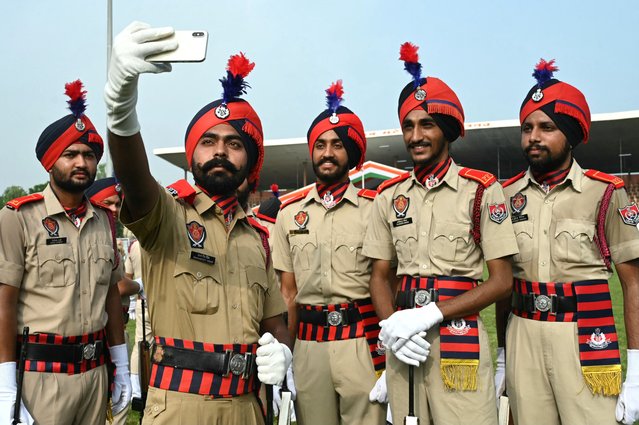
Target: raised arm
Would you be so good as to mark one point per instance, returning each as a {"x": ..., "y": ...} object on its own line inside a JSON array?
[{"x": 130, "y": 48}]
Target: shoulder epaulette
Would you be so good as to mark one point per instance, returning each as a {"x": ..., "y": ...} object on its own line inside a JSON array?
[
  {"x": 265, "y": 218},
  {"x": 182, "y": 189},
  {"x": 15, "y": 204},
  {"x": 482, "y": 177},
  {"x": 295, "y": 198},
  {"x": 367, "y": 193},
  {"x": 513, "y": 179},
  {"x": 257, "y": 226},
  {"x": 388, "y": 183},
  {"x": 606, "y": 178}
]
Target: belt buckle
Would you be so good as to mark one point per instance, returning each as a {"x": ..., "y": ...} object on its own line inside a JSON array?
[
  {"x": 334, "y": 318},
  {"x": 88, "y": 351},
  {"x": 237, "y": 363},
  {"x": 423, "y": 297},
  {"x": 543, "y": 303}
]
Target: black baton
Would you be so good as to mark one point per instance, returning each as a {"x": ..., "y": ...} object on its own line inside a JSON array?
[
  {"x": 21, "y": 362},
  {"x": 269, "y": 404},
  {"x": 411, "y": 419}
]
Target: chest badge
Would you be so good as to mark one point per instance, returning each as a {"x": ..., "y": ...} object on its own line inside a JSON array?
[
  {"x": 431, "y": 182},
  {"x": 400, "y": 206},
  {"x": 328, "y": 200},
  {"x": 630, "y": 214},
  {"x": 301, "y": 219},
  {"x": 518, "y": 202},
  {"x": 197, "y": 234},
  {"x": 497, "y": 212},
  {"x": 51, "y": 226}
]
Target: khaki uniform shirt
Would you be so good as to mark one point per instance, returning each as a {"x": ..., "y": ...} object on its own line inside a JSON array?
[
  {"x": 217, "y": 290},
  {"x": 557, "y": 238},
  {"x": 326, "y": 254},
  {"x": 434, "y": 237},
  {"x": 133, "y": 263},
  {"x": 64, "y": 275}
]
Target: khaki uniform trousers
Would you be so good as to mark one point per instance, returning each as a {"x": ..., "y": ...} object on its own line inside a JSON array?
[
  {"x": 58, "y": 398},
  {"x": 175, "y": 408},
  {"x": 543, "y": 376},
  {"x": 433, "y": 402},
  {"x": 332, "y": 380},
  {"x": 135, "y": 355}
]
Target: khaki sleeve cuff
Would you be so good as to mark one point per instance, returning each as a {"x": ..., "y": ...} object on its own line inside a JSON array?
[
  {"x": 378, "y": 250},
  {"x": 11, "y": 274},
  {"x": 624, "y": 252},
  {"x": 498, "y": 248}
]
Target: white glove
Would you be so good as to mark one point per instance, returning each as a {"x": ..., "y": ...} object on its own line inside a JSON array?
[
  {"x": 121, "y": 396},
  {"x": 406, "y": 323},
  {"x": 413, "y": 351},
  {"x": 141, "y": 285},
  {"x": 130, "y": 48},
  {"x": 8, "y": 388},
  {"x": 379, "y": 393},
  {"x": 273, "y": 360},
  {"x": 627, "y": 410},
  {"x": 277, "y": 390},
  {"x": 500, "y": 373},
  {"x": 136, "y": 391}
]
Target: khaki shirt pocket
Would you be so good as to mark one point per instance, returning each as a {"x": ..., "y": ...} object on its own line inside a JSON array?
[
  {"x": 102, "y": 263},
  {"x": 405, "y": 241},
  {"x": 155, "y": 402},
  {"x": 574, "y": 241},
  {"x": 303, "y": 246},
  {"x": 56, "y": 265},
  {"x": 197, "y": 284},
  {"x": 348, "y": 254},
  {"x": 257, "y": 280},
  {"x": 524, "y": 234},
  {"x": 452, "y": 241}
]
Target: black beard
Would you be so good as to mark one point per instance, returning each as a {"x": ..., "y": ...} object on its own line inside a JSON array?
[
  {"x": 550, "y": 163},
  {"x": 335, "y": 177},
  {"x": 68, "y": 185},
  {"x": 219, "y": 184}
]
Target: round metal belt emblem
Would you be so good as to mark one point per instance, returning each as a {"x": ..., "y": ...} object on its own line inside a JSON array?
[
  {"x": 543, "y": 303},
  {"x": 237, "y": 365},
  {"x": 422, "y": 297},
  {"x": 88, "y": 351},
  {"x": 334, "y": 318}
]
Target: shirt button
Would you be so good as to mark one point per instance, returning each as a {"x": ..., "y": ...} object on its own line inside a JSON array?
[
  {"x": 325, "y": 274},
  {"x": 451, "y": 237},
  {"x": 546, "y": 201},
  {"x": 423, "y": 233},
  {"x": 235, "y": 306},
  {"x": 424, "y": 266},
  {"x": 352, "y": 249},
  {"x": 156, "y": 408},
  {"x": 83, "y": 261},
  {"x": 57, "y": 257},
  {"x": 235, "y": 340},
  {"x": 543, "y": 263},
  {"x": 198, "y": 274},
  {"x": 86, "y": 323},
  {"x": 84, "y": 292}
]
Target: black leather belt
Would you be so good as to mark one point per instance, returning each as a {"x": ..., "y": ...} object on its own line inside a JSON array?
[
  {"x": 416, "y": 297},
  {"x": 205, "y": 361},
  {"x": 531, "y": 303},
  {"x": 63, "y": 353},
  {"x": 341, "y": 317}
]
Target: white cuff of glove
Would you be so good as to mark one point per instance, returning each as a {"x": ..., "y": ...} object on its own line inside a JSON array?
[
  {"x": 8, "y": 377},
  {"x": 139, "y": 282},
  {"x": 379, "y": 392},
  {"x": 632, "y": 370},
  {"x": 120, "y": 357}
]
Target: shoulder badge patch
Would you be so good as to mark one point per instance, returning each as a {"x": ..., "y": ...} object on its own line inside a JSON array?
[
  {"x": 51, "y": 226},
  {"x": 630, "y": 214},
  {"x": 498, "y": 212},
  {"x": 400, "y": 205}
]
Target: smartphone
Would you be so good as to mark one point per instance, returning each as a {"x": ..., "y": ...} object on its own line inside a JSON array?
[{"x": 191, "y": 48}]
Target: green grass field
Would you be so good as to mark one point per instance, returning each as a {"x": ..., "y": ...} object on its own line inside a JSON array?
[{"x": 488, "y": 317}]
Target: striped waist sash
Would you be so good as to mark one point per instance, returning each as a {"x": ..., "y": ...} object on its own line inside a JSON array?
[
  {"x": 459, "y": 338},
  {"x": 597, "y": 335},
  {"x": 223, "y": 370},
  {"x": 47, "y": 352},
  {"x": 335, "y": 322}
]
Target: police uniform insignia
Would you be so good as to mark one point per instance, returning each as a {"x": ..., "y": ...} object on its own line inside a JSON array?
[
  {"x": 458, "y": 327},
  {"x": 431, "y": 182},
  {"x": 301, "y": 219},
  {"x": 51, "y": 226},
  {"x": 379, "y": 348},
  {"x": 537, "y": 95},
  {"x": 222, "y": 111},
  {"x": 400, "y": 205},
  {"x": 79, "y": 125},
  {"x": 328, "y": 200},
  {"x": 172, "y": 191},
  {"x": 420, "y": 94},
  {"x": 518, "y": 202},
  {"x": 598, "y": 340},
  {"x": 630, "y": 214},
  {"x": 497, "y": 212},
  {"x": 197, "y": 234}
]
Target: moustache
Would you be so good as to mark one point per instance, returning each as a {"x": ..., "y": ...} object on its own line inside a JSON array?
[
  {"x": 329, "y": 160},
  {"x": 80, "y": 171},
  {"x": 540, "y": 147},
  {"x": 419, "y": 144},
  {"x": 219, "y": 162}
]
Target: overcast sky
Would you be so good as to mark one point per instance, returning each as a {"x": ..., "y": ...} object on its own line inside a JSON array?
[{"x": 484, "y": 50}]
